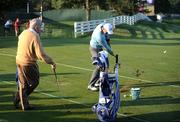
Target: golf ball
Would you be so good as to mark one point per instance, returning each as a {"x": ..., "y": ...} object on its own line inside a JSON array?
[
  {"x": 164, "y": 51},
  {"x": 124, "y": 95}
]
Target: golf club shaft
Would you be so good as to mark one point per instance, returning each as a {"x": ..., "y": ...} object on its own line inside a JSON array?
[{"x": 54, "y": 70}]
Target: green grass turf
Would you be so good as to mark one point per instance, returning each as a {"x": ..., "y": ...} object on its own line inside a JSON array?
[{"x": 140, "y": 46}]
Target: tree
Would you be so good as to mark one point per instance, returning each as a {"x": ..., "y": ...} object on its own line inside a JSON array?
[
  {"x": 10, "y": 5},
  {"x": 121, "y": 6},
  {"x": 162, "y": 6},
  {"x": 58, "y": 4},
  {"x": 175, "y": 6},
  {"x": 88, "y": 10},
  {"x": 7, "y": 5}
]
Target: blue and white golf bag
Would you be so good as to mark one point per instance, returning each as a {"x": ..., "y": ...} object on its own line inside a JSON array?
[{"x": 109, "y": 97}]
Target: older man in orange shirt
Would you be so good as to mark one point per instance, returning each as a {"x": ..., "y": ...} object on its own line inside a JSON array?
[{"x": 28, "y": 52}]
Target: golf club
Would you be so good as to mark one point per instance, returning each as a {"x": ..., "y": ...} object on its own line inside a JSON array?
[
  {"x": 58, "y": 85},
  {"x": 54, "y": 71}
]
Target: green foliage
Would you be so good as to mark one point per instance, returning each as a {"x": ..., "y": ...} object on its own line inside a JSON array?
[
  {"x": 75, "y": 14},
  {"x": 6, "y": 5},
  {"x": 162, "y": 6},
  {"x": 47, "y": 4},
  {"x": 57, "y": 4},
  {"x": 167, "y": 6},
  {"x": 65, "y": 14},
  {"x": 36, "y": 4},
  {"x": 11, "y": 5},
  {"x": 174, "y": 2},
  {"x": 121, "y": 6},
  {"x": 175, "y": 6}
]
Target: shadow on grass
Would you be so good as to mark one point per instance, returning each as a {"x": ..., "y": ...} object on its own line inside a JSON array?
[
  {"x": 170, "y": 116},
  {"x": 167, "y": 83},
  {"x": 60, "y": 74},
  {"x": 148, "y": 28},
  {"x": 8, "y": 77},
  {"x": 80, "y": 113},
  {"x": 142, "y": 42},
  {"x": 159, "y": 100},
  {"x": 139, "y": 31},
  {"x": 12, "y": 77},
  {"x": 51, "y": 113}
]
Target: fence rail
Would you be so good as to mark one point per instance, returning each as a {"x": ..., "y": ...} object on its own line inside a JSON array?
[{"x": 88, "y": 26}]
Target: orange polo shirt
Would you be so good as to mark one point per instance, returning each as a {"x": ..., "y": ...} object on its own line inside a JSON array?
[{"x": 30, "y": 50}]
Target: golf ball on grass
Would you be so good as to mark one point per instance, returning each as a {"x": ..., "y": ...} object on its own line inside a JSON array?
[
  {"x": 124, "y": 95},
  {"x": 164, "y": 51}
]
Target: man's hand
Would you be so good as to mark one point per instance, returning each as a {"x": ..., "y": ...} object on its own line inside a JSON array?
[
  {"x": 53, "y": 66},
  {"x": 113, "y": 54}
]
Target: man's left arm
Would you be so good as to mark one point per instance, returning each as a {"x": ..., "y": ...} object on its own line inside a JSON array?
[{"x": 107, "y": 39}]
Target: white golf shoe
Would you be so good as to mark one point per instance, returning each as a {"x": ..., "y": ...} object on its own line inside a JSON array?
[{"x": 92, "y": 88}]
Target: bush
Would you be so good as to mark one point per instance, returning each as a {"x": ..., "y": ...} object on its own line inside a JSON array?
[{"x": 75, "y": 14}]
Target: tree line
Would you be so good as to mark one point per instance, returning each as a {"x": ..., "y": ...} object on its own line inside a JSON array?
[{"x": 118, "y": 6}]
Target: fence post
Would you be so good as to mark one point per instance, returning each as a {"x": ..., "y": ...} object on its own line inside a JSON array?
[
  {"x": 75, "y": 29},
  {"x": 114, "y": 22},
  {"x": 82, "y": 27},
  {"x": 132, "y": 20}
]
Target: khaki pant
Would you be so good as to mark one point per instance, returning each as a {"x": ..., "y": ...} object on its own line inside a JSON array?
[
  {"x": 95, "y": 74},
  {"x": 94, "y": 52},
  {"x": 28, "y": 81}
]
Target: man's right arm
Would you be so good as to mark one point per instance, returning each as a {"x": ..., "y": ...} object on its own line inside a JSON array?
[
  {"x": 107, "y": 47},
  {"x": 40, "y": 53}
]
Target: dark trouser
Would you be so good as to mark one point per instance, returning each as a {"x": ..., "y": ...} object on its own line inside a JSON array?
[
  {"x": 6, "y": 30},
  {"x": 28, "y": 81}
]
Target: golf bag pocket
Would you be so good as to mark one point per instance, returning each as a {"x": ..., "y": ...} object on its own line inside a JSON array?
[
  {"x": 111, "y": 78},
  {"x": 104, "y": 85}
]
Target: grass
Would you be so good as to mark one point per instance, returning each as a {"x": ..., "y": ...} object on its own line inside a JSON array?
[{"x": 140, "y": 46}]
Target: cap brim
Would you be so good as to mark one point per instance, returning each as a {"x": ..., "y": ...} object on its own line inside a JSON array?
[{"x": 110, "y": 32}]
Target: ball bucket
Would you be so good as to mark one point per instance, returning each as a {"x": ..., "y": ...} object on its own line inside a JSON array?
[{"x": 135, "y": 93}]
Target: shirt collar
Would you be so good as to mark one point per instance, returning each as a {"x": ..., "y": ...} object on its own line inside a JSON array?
[{"x": 32, "y": 30}]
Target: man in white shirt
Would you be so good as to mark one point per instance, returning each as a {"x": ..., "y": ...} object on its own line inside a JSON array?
[{"x": 99, "y": 40}]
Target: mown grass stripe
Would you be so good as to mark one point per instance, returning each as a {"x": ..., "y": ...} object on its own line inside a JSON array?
[
  {"x": 80, "y": 68},
  {"x": 76, "y": 102}
]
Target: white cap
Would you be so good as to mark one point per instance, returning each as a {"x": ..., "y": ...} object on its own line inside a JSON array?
[{"x": 109, "y": 28}]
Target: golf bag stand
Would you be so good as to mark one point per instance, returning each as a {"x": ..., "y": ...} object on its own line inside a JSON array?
[{"x": 109, "y": 97}]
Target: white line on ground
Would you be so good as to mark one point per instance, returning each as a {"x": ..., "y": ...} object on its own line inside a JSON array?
[
  {"x": 76, "y": 102},
  {"x": 51, "y": 95},
  {"x": 4, "y": 54},
  {"x": 54, "y": 96},
  {"x": 75, "y": 67}
]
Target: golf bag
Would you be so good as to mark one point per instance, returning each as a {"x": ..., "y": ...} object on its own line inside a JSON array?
[{"x": 109, "y": 97}]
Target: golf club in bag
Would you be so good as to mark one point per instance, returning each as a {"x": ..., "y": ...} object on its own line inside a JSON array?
[{"x": 109, "y": 97}]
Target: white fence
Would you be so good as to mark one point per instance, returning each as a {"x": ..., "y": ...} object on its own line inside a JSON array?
[{"x": 88, "y": 26}]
